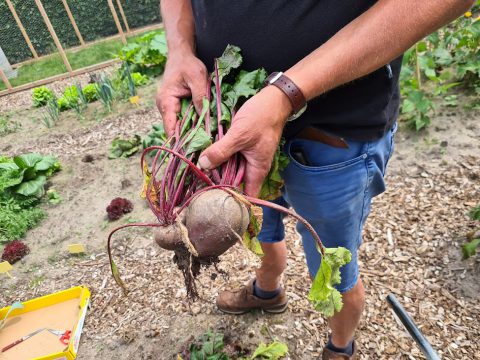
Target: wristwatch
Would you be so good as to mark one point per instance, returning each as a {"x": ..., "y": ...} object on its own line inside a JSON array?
[{"x": 293, "y": 92}]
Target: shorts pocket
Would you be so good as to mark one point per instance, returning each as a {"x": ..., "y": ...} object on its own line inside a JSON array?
[{"x": 317, "y": 153}]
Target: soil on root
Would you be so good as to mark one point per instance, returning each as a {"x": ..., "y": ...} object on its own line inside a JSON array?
[{"x": 190, "y": 267}]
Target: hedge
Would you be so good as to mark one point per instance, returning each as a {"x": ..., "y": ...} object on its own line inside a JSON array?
[{"x": 93, "y": 18}]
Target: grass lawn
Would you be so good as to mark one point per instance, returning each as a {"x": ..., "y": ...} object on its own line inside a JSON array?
[{"x": 53, "y": 65}]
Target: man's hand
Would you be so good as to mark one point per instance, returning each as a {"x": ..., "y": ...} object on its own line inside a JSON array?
[
  {"x": 255, "y": 132},
  {"x": 185, "y": 76}
]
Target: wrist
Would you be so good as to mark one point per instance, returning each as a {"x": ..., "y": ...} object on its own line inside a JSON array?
[
  {"x": 180, "y": 49},
  {"x": 278, "y": 103},
  {"x": 293, "y": 93}
]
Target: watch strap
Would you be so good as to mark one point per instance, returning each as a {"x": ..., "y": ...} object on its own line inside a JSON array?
[{"x": 293, "y": 92}]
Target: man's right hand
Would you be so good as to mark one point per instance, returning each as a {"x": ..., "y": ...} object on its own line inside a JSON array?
[{"x": 185, "y": 76}]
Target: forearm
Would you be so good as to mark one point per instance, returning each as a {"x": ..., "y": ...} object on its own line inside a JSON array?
[
  {"x": 179, "y": 25},
  {"x": 372, "y": 40}
]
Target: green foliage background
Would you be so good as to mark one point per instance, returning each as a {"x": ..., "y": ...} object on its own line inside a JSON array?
[{"x": 93, "y": 18}]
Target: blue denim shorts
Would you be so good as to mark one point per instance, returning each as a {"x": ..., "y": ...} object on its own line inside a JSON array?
[{"x": 333, "y": 193}]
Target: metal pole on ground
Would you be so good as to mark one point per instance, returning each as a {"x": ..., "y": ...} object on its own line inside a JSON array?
[
  {"x": 74, "y": 23},
  {"x": 22, "y": 29},
  {"x": 53, "y": 34},
  {"x": 117, "y": 21},
  {"x": 412, "y": 329}
]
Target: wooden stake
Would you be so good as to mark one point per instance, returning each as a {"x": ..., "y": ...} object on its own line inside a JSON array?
[
  {"x": 122, "y": 13},
  {"x": 74, "y": 23},
  {"x": 54, "y": 35},
  {"x": 117, "y": 21},
  {"x": 22, "y": 29},
  {"x": 5, "y": 80}
]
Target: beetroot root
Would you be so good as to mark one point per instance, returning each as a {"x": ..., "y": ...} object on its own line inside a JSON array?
[
  {"x": 168, "y": 237},
  {"x": 215, "y": 221}
]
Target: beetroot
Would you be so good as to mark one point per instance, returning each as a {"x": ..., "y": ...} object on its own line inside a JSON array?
[
  {"x": 215, "y": 221},
  {"x": 14, "y": 251},
  {"x": 118, "y": 207}
]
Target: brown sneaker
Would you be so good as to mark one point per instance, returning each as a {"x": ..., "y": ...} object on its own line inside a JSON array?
[
  {"x": 241, "y": 301},
  {"x": 332, "y": 355}
]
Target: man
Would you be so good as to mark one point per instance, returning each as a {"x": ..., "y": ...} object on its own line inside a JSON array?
[{"x": 343, "y": 59}]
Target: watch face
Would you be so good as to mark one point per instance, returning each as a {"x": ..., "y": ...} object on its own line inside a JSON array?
[{"x": 297, "y": 114}]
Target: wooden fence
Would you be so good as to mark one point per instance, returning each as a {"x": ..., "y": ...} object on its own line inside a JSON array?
[{"x": 70, "y": 72}]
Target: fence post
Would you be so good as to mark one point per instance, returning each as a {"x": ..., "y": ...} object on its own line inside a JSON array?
[
  {"x": 74, "y": 23},
  {"x": 22, "y": 29},
  {"x": 53, "y": 34},
  {"x": 5, "y": 80},
  {"x": 122, "y": 13},
  {"x": 117, "y": 21}
]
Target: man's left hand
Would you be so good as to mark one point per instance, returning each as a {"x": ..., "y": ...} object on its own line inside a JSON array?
[{"x": 255, "y": 133}]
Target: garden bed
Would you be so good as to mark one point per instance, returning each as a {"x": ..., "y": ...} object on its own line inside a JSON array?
[{"x": 411, "y": 246}]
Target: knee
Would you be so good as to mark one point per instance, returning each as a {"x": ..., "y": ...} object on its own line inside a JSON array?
[{"x": 355, "y": 298}]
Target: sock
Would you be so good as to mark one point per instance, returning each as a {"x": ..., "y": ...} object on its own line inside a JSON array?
[
  {"x": 262, "y": 294},
  {"x": 346, "y": 350}
]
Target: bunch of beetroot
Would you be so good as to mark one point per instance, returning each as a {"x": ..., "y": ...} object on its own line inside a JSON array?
[{"x": 202, "y": 214}]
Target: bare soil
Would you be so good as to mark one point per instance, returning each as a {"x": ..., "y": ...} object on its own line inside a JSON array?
[{"x": 411, "y": 247}]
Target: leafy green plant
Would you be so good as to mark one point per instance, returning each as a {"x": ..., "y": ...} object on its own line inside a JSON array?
[
  {"x": 90, "y": 92},
  {"x": 81, "y": 104},
  {"x": 123, "y": 148},
  {"x": 53, "y": 197},
  {"x": 41, "y": 95},
  {"x": 105, "y": 92},
  {"x": 447, "y": 58},
  {"x": 51, "y": 114},
  {"x": 22, "y": 183},
  {"x": 26, "y": 174},
  {"x": 470, "y": 248},
  {"x": 209, "y": 347},
  {"x": 8, "y": 126},
  {"x": 156, "y": 137},
  {"x": 69, "y": 99},
  {"x": 140, "y": 79},
  {"x": 127, "y": 74},
  {"x": 15, "y": 221},
  {"x": 147, "y": 55}
]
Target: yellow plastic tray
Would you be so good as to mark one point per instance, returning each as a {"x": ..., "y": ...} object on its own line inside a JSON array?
[{"x": 79, "y": 292}]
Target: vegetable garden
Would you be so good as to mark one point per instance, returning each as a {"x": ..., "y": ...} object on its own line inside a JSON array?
[{"x": 84, "y": 160}]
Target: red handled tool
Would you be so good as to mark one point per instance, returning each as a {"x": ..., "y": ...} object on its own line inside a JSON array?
[
  {"x": 64, "y": 335},
  {"x": 22, "y": 339}
]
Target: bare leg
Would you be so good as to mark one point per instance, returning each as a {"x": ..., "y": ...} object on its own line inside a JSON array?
[
  {"x": 344, "y": 323},
  {"x": 274, "y": 263}
]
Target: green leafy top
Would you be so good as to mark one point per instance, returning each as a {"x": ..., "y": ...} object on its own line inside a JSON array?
[
  {"x": 230, "y": 59},
  {"x": 323, "y": 295},
  {"x": 272, "y": 351}
]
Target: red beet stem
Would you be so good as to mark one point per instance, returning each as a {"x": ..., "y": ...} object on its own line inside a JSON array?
[{"x": 289, "y": 212}]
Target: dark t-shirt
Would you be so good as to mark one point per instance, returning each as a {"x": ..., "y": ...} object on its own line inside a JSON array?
[{"x": 276, "y": 34}]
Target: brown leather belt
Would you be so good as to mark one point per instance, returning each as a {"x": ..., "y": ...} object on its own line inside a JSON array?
[{"x": 314, "y": 134}]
